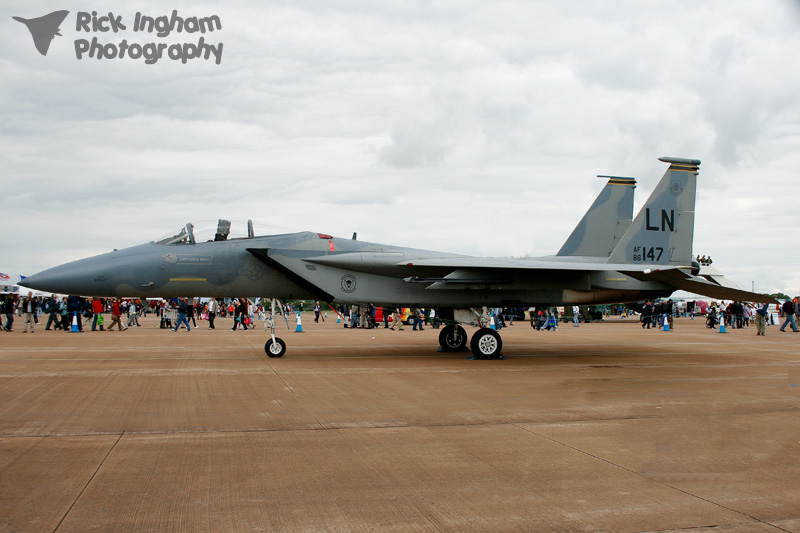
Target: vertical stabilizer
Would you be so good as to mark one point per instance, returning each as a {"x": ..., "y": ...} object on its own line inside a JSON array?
[
  {"x": 662, "y": 232},
  {"x": 604, "y": 224}
]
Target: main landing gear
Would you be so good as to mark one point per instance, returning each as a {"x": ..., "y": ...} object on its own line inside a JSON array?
[
  {"x": 452, "y": 338},
  {"x": 485, "y": 343}
]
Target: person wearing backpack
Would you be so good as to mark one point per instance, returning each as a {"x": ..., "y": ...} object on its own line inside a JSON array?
[
  {"x": 788, "y": 310},
  {"x": 53, "y": 318},
  {"x": 97, "y": 310},
  {"x": 761, "y": 320}
]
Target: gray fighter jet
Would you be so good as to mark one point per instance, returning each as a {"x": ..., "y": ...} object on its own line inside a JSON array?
[{"x": 608, "y": 258}]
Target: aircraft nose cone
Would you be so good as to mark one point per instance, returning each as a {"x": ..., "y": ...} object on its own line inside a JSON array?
[
  {"x": 71, "y": 278},
  {"x": 26, "y": 282},
  {"x": 46, "y": 281},
  {"x": 56, "y": 279}
]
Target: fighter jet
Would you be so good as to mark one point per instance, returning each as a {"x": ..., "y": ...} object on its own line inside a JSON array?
[{"x": 608, "y": 258}]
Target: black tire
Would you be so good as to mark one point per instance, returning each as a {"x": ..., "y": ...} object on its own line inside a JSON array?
[
  {"x": 453, "y": 338},
  {"x": 275, "y": 349},
  {"x": 486, "y": 344}
]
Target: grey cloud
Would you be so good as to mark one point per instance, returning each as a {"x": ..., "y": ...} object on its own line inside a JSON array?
[{"x": 415, "y": 145}]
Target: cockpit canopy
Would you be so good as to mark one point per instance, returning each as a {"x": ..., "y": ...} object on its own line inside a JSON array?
[{"x": 220, "y": 230}]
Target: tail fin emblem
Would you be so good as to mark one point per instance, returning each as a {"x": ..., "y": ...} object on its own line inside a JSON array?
[{"x": 676, "y": 188}]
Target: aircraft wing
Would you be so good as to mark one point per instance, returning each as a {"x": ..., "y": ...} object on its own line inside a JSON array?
[
  {"x": 521, "y": 263},
  {"x": 674, "y": 276}
]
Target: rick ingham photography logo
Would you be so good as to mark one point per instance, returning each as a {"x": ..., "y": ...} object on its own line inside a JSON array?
[{"x": 143, "y": 27}]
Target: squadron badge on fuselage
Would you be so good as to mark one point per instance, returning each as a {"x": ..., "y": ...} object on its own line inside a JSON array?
[
  {"x": 253, "y": 272},
  {"x": 348, "y": 283}
]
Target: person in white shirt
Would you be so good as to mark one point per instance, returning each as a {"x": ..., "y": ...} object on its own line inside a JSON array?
[{"x": 212, "y": 312}]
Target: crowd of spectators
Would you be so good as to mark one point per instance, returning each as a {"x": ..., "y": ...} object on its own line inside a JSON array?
[
  {"x": 62, "y": 313},
  {"x": 68, "y": 312}
]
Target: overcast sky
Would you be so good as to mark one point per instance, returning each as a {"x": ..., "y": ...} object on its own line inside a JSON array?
[{"x": 463, "y": 126}]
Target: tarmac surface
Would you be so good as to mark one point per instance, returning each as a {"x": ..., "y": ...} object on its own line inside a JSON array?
[{"x": 605, "y": 427}]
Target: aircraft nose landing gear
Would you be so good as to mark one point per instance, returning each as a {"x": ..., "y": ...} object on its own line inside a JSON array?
[{"x": 275, "y": 347}]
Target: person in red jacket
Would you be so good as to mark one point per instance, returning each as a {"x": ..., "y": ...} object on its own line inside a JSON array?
[
  {"x": 115, "y": 316},
  {"x": 97, "y": 309}
]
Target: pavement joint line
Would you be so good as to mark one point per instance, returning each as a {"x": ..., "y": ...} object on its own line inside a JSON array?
[
  {"x": 707, "y": 527},
  {"x": 345, "y": 428},
  {"x": 322, "y": 428},
  {"x": 639, "y": 474},
  {"x": 374, "y": 427},
  {"x": 78, "y": 497}
]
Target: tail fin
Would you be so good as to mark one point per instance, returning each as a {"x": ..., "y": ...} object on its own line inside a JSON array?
[
  {"x": 606, "y": 221},
  {"x": 663, "y": 230}
]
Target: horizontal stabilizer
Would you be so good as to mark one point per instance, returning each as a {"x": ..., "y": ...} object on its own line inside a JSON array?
[
  {"x": 683, "y": 280},
  {"x": 715, "y": 276}
]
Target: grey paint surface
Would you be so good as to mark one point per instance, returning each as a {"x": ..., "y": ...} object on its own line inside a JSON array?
[{"x": 600, "y": 229}]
